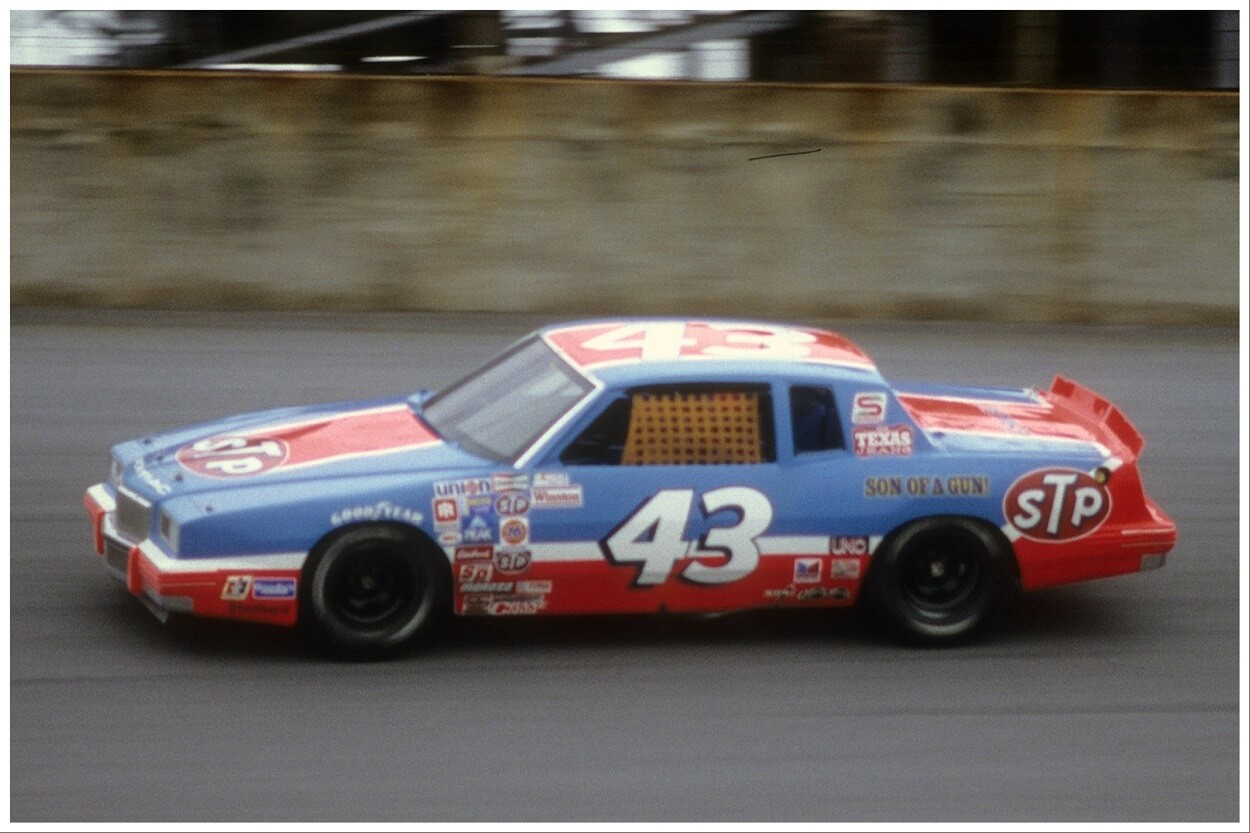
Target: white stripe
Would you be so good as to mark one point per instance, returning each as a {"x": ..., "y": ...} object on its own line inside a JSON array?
[
  {"x": 793, "y": 545},
  {"x": 165, "y": 564},
  {"x": 1011, "y": 532},
  {"x": 101, "y": 496}
]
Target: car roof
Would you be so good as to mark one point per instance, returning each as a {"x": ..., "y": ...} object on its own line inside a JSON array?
[{"x": 629, "y": 351}]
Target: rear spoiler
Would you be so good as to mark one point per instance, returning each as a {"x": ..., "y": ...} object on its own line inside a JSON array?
[{"x": 1099, "y": 414}]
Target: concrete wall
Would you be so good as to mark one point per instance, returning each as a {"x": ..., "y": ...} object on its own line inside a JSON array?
[{"x": 225, "y": 191}]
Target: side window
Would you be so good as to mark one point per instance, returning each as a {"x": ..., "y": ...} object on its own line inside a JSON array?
[
  {"x": 680, "y": 425},
  {"x": 814, "y": 420},
  {"x": 603, "y": 441}
]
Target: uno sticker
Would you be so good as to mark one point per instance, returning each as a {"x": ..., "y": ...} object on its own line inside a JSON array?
[
  {"x": 1052, "y": 505},
  {"x": 233, "y": 456}
]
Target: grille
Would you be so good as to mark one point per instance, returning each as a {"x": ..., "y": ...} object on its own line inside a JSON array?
[
  {"x": 116, "y": 556},
  {"x": 134, "y": 516}
]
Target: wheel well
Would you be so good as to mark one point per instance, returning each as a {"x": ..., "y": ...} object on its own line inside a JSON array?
[{"x": 416, "y": 535}]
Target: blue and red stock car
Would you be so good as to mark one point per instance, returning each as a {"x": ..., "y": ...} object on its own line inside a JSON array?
[{"x": 634, "y": 466}]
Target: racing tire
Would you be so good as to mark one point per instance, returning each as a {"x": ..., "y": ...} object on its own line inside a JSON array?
[
  {"x": 374, "y": 591},
  {"x": 940, "y": 580}
]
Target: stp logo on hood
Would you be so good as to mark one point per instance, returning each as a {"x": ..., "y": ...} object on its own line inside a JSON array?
[
  {"x": 1051, "y": 505},
  {"x": 233, "y": 456}
]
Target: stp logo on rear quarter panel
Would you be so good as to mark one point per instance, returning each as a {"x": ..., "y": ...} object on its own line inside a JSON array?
[{"x": 1056, "y": 504}]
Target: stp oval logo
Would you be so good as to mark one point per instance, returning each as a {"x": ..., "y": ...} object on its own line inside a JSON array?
[
  {"x": 509, "y": 504},
  {"x": 1056, "y": 504},
  {"x": 233, "y": 456}
]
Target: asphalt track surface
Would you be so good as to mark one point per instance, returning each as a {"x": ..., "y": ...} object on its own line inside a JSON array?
[{"x": 1113, "y": 701}]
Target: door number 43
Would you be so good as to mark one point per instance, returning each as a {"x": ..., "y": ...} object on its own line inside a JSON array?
[{"x": 651, "y": 537}]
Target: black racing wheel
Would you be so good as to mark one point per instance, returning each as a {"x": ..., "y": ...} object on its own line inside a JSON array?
[
  {"x": 374, "y": 590},
  {"x": 939, "y": 580}
]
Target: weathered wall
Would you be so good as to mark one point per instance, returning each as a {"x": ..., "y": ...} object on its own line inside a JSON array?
[{"x": 188, "y": 190}]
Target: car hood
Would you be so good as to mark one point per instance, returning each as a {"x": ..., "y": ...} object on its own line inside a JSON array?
[{"x": 350, "y": 439}]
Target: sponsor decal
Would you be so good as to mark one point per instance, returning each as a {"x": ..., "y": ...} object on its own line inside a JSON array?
[
  {"x": 273, "y": 588},
  {"x": 380, "y": 511},
  {"x": 883, "y": 441},
  {"x": 305, "y": 442},
  {"x": 844, "y": 568},
  {"x": 487, "y": 587},
  {"x": 849, "y": 545},
  {"x": 1056, "y": 504},
  {"x": 480, "y": 525},
  {"x": 816, "y": 593},
  {"x": 868, "y": 408},
  {"x": 807, "y": 594},
  {"x": 883, "y": 486},
  {"x": 509, "y": 482},
  {"x": 233, "y": 456},
  {"x": 550, "y": 479},
  {"x": 236, "y": 588},
  {"x": 477, "y": 604},
  {"x": 449, "y": 537},
  {"x": 446, "y": 511},
  {"x": 557, "y": 497},
  {"x": 141, "y": 471},
  {"x": 473, "y": 572},
  {"x": 512, "y": 561},
  {"x": 807, "y": 570},
  {"x": 511, "y": 504},
  {"x": 957, "y": 485},
  {"x": 459, "y": 488},
  {"x": 536, "y": 587},
  {"x": 516, "y": 607},
  {"x": 474, "y": 553},
  {"x": 514, "y": 531}
]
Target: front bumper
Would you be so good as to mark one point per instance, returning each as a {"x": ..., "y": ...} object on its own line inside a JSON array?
[{"x": 260, "y": 588}]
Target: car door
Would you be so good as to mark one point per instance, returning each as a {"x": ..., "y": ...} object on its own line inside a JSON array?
[{"x": 674, "y": 497}]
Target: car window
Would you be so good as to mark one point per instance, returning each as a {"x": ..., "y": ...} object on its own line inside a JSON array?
[
  {"x": 500, "y": 409},
  {"x": 814, "y": 420},
  {"x": 680, "y": 425}
]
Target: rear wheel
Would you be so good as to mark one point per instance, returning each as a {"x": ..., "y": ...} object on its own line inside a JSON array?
[
  {"x": 940, "y": 580},
  {"x": 374, "y": 590}
]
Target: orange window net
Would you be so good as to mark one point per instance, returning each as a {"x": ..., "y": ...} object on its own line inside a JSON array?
[{"x": 676, "y": 429}]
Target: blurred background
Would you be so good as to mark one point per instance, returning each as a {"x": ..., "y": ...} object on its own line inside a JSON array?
[{"x": 1050, "y": 166}]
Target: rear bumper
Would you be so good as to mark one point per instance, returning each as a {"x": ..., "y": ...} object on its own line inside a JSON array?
[
  {"x": 1113, "y": 551},
  {"x": 252, "y": 588}
]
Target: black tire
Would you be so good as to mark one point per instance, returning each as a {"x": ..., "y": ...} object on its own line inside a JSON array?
[
  {"x": 940, "y": 580},
  {"x": 374, "y": 590}
]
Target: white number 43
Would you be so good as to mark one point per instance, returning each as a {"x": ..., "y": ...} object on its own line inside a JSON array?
[{"x": 652, "y": 536}]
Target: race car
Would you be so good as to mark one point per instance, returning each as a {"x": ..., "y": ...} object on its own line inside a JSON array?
[{"x": 634, "y": 466}]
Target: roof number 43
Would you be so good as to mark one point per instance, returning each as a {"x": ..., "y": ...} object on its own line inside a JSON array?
[{"x": 651, "y": 538}]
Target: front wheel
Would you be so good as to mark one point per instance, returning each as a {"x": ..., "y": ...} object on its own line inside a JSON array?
[
  {"x": 374, "y": 590},
  {"x": 940, "y": 580}
]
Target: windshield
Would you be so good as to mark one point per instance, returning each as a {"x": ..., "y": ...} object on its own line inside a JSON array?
[{"x": 499, "y": 410}]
